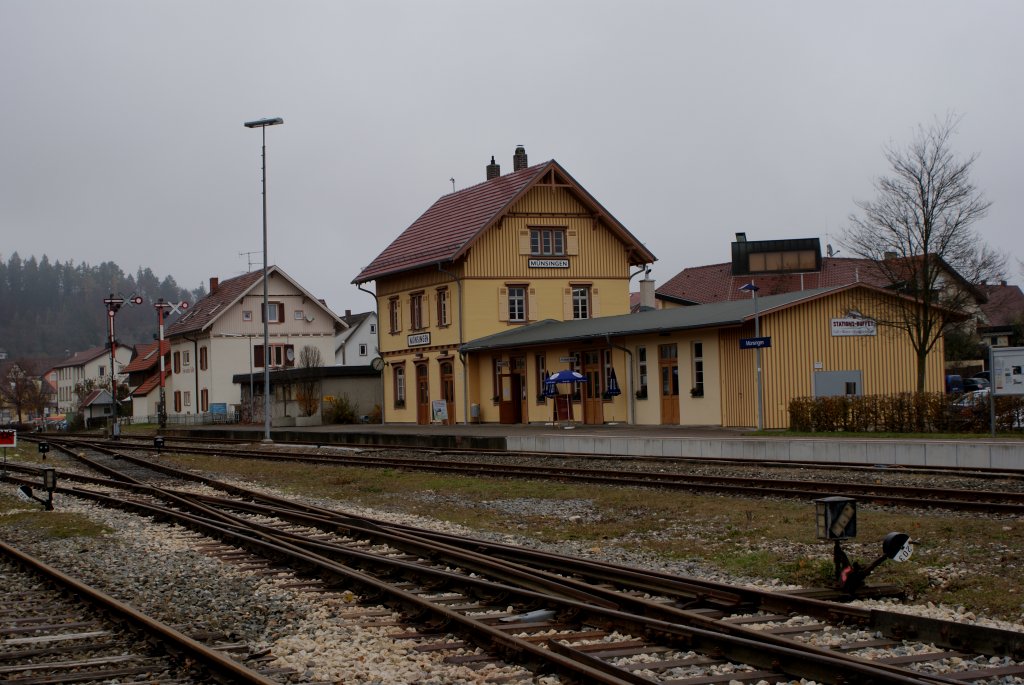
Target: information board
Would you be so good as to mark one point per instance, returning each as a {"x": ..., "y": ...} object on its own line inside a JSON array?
[{"x": 1008, "y": 370}]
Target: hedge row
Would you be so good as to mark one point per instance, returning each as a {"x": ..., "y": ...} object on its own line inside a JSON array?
[{"x": 929, "y": 412}]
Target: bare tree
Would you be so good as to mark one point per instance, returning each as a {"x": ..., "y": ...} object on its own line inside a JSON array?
[
  {"x": 307, "y": 392},
  {"x": 21, "y": 388},
  {"x": 919, "y": 233}
]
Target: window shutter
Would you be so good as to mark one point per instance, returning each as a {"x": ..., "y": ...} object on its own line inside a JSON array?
[
  {"x": 177, "y": 362},
  {"x": 593, "y": 304},
  {"x": 524, "y": 241},
  {"x": 502, "y": 304},
  {"x": 280, "y": 312},
  {"x": 572, "y": 242},
  {"x": 567, "y": 305},
  {"x": 531, "y": 305},
  {"x": 425, "y": 314},
  {"x": 257, "y": 356}
]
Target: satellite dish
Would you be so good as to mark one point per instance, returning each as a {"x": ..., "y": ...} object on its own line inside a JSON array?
[{"x": 309, "y": 318}]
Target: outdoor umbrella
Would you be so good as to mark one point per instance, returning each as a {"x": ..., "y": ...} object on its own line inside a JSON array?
[
  {"x": 613, "y": 385},
  {"x": 566, "y": 376}
]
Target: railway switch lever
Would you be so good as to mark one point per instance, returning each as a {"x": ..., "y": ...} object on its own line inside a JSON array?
[{"x": 49, "y": 484}]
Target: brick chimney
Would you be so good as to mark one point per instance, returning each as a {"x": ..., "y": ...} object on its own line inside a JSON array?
[
  {"x": 519, "y": 159},
  {"x": 493, "y": 170},
  {"x": 214, "y": 284}
]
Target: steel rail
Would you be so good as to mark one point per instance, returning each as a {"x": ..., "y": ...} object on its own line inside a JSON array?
[
  {"x": 793, "y": 660},
  {"x": 721, "y": 460},
  {"x": 179, "y": 646},
  {"x": 984, "y": 640},
  {"x": 911, "y": 628},
  {"x": 986, "y": 501}
]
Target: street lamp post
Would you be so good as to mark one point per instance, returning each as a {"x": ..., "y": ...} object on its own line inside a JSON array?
[
  {"x": 752, "y": 289},
  {"x": 262, "y": 124}
]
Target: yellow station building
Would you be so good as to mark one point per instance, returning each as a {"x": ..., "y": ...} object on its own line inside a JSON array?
[{"x": 499, "y": 285}]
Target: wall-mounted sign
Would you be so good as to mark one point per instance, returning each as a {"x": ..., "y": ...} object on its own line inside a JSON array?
[
  {"x": 567, "y": 360},
  {"x": 548, "y": 263},
  {"x": 853, "y": 326},
  {"x": 418, "y": 339},
  {"x": 755, "y": 343}
]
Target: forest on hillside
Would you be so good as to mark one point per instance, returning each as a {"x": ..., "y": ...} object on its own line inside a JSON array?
[{"x": 53, "y": 309}]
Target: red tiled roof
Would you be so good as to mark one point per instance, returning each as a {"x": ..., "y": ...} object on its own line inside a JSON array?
[
  {"x": 83, "y": 357},
  {"x": 150, "y": 383},
  {"x": 203, "y": 312},
  {"x": 146, "y": 357},
  {"x": 716, "y": 282},
  {"x": 1005, "y": 304},
  {"x": 454, "y": 221}
]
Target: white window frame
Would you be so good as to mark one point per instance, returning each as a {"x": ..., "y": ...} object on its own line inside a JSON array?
[
  {"x": 363, "y": 349},
  {"x": 581, "y": 302},
  {"x": 517, "y": 303},
  {"x": 547, "y": 242}
]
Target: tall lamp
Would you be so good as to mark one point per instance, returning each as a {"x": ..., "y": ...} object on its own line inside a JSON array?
[
  {"x": 752, "y": 289},
  {"x": 262, "y": 124}
]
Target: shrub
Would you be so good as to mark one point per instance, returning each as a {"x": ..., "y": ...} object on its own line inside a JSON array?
[
  {"x": 342, "y": 410},
  {"x": 901, "y": 413}
]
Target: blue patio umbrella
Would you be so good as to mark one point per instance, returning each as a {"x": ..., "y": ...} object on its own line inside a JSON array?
[
  {"x": 566, "y": 376},
  {"x": 613, "y": 385}
]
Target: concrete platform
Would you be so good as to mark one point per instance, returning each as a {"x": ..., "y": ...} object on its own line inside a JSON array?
[{"x": 656, "y": 441}]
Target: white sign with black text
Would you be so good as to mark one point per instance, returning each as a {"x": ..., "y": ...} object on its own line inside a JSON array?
[{"x": 853, "y": 326}]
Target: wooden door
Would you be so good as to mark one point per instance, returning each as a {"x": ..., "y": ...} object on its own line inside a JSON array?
[
  {"x": 448, "y": 390},
  {"x": 422, "y": 394},
  {"x": 510, "y": 405},
  {"x": 668, "y": 374},
  {"x": 518, "y": 365},
  {"x": 593, "y": 390}
]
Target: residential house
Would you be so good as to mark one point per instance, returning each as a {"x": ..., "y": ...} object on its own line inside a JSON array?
[
  {"x": 88, "y": 365},
  {"x": 791, "y": 265},
  {"x": 357, "y": 344},
  {"x": 515, "y": 249},
  {"x": 1001, "y": 314},
  {"x": 221, "y": 335},
  {"x": 144, "y": 379}
]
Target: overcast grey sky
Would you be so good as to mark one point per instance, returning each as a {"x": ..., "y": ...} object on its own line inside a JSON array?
[{"x": 122, "y": 136}]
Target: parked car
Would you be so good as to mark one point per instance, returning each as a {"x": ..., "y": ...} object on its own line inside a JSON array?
[
  {"x": 974, "y": 406},
  {"x": 984, "y": 375},
  {"x": 974, "y": 383}
]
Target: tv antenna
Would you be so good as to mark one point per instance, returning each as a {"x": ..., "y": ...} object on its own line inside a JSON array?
[{"x": 248, "y": 256}]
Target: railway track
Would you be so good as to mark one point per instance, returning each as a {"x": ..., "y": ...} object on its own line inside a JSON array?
[
  {"x": 581, "y": 619},
  {"x": 1009, "y": 502},
  {"x": 55, "y": 629}
]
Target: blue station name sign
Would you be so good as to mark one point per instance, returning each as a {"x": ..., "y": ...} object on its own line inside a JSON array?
[{"x": 755, "y": 343}]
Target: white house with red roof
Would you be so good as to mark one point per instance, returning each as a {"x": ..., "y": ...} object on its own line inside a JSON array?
[
  {"x": 221, "y": 335},
  {"x": 91, "y": 364},
  {"x": 144, "y": 378}
]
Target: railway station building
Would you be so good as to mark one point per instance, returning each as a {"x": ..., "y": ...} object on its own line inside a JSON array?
[
  {"x": 501, "y": 284},
  {"x": 494, "y": 257}
]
